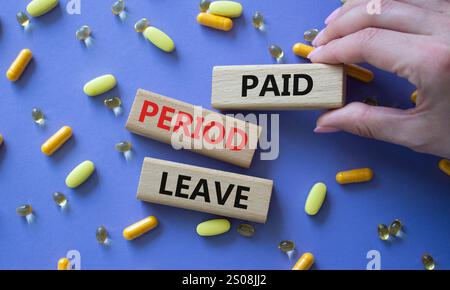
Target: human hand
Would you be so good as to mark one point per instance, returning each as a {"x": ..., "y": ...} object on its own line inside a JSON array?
[{"x": 410, "y": 38}]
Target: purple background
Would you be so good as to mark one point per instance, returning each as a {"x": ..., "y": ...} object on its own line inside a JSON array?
[{"x": 407, "y": 185}]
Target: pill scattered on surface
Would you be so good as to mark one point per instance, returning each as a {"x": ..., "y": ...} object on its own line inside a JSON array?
[
  {"x": 101, "y": 235},
  {"x": 246, "y": 230},
  {"x": 215, "y": 21},
  {"x": 23, "y": 19},
  {"x": 63, "y": 264},
  {"x": 37, "y": 116},
  {"x": 428, "y": 262},
  {"x": 123, "y": 146},
  {"x": 37, "y": 8},
  {"x": 276, "y": 52},
  {"x": 100, "y": 85},
  {"x": 414, "y": 97},
  {"x": 17, "y": 68},
  {"x": 213, "y": 227},
  {"x": 444, "y": 165},
  {"x": 225, "y": 8},
  {"x": 204, "y": 5},
  {"x": 383, "y": 232},
  {"x": 141, "y": 25},
  {"x": 310, "y": 34},
  {"x": 56, "y": 141},
  {"x": 315, "y": 198},
  {"x": 354, "y": 176},
  {"x": 24, "y": 210},
  {"x": 80, "y": 174},
  {"x": 1, "y": 139},
  {"x": 118, "y": 7},
  {"x": 258, "y": 20},
  {"x": 370, "y": 101},
  {"x": 159, "y": 39},
  {"x": 354, "y": 71},
  {"x": 60, "y": 199},
  {"x": 286, "y": 246},
  {"x": 83, "y": 33},
  {"x": 114, "y": 104},
  {"x": 139, "y": 228},
  {"x": 305, "y": 262},
  {"x": 395, "y": 227}
]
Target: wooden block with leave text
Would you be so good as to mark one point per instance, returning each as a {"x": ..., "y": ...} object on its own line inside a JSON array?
[
  {"x": 194, "y": 128},
  {"x": 206, "y": 190},
  {"x": 278, "y": 87}
]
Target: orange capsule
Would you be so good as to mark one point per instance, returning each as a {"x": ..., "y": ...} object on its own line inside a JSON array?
[
  {"x": 305, "y": 262},
  {"x": 444, "y": 165},
  {"x": 215, "y": 21},
  {"x": 63, "y": 264},
  {"x": 18, "y": 66},
  {"x": 414, "y": 97},
  {"x": 354, "y": 176},
  {"x": 1, "y": 139},
  {"x": 139, "y": 228},
  {"x": 354, "y": 71},
  {"x": 56, "y": 141}
]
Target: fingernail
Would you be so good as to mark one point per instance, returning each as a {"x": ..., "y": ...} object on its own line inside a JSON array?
[
  {"x": 314, "y": 42},
  {"x": 333, "y": 15},
  {"x": 323, "y": 129},
  {"x": 314, "y": 52}
]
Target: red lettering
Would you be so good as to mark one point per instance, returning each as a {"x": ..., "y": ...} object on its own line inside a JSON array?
[
  {"x": 164, "y": 118},
  {"x": 230, "y": 140},
  {"x": 221, "y": 133},
  {"x": 183, "y": 123},
  {"x": 145, "y": 112}
]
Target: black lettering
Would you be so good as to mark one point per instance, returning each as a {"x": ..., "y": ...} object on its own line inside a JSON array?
[
  {"x": 239, "y": 197},
  {"x": 162, "y": 188},
  {"x": 223, "y": 199},
  {"x": 309, "y": 86},
  {"x": 205, "y": 193},
  {"x": 181, "y": 186},
  {"x": 246, "y": 86},
  {"x": 270, "y": 80},
  {"x": 286, "y": 78}
]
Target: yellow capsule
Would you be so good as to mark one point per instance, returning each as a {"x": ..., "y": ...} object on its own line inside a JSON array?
[
  {"x": 1, "y": 139},
  {"x": 37, "y": 8},
  {"x": 444, "y": 165},
  {"x": 215, "y": 21},
  {"x": 414, "y": 97},
  {"x": 305, "y": 262},
  {"x": 139, "y": 228},
  {"x": 354, "y": 71},
  {"x": 18, "y": 66},
  {"x": 56, "y": 141},
  {"x": 63, "y": 264},
  {"x": 354, "y": 176}
]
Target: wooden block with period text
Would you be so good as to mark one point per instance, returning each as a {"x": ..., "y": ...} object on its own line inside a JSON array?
[
  {"x": 206, "y": 190},
  {"x": 278, "y": 87},
  {"x": 192, "y": 127}
]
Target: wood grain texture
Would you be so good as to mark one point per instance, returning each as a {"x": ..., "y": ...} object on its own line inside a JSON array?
[
  {"x": 255, "y": 198},
  {"x": 163, "y": 129},
  {"x": 328, "y": 90}
]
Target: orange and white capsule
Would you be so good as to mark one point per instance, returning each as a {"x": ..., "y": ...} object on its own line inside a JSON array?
[
  {"x": 139, "y": 228},
  {"x": 56, "y": 141},
  {"x": 18, "y": 66},
  {"x": 215, "y": 21},
  {"x": 305, "y": 262},
  {"x": 354, "y": 176},
  {"x": 63, "y": 264},
  {"x": 353, "y": 70},
  {"x": 444, "y": 165}
]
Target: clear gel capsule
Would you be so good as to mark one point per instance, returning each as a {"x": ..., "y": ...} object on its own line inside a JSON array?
[
  {"x": 204, "y": 5},
  {"x": 246, "y": 230},
  {"x": 428, "y": 262},
  {"x": 383, "y": 232},
  {"x": 23, "y": 19},
  {"x": 118, "y": 8},
  {"x": 114, "y": 104},
  {"x": 395, "y": 228},
  {"x": 84, "y": 34},
  {"x": 26, "y": 211},
  {"x": 310, "y": 34},
  {"x": 60, "y": 199},
  {"x": 287, "y": 247},
  {"x": 38, "y": 116},
  {"x": 141, "y": 25},
  {"x": 101, "y": 235},
  {"x": 258, "y": 20},
  {"x": 276, "y": 52},
  {"x": 124, "y": 147}
]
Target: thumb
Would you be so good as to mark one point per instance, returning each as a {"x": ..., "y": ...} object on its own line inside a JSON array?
[{"x": 386, "y": 124}]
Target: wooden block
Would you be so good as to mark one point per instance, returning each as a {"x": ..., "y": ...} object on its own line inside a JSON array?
[
  {"x": 194, "y": 128},
  {"x": 278, "y": 87},
  {"x": 206, "y": 190}
]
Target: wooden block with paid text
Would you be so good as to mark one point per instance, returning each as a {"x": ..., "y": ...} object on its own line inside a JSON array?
[
  {"x": 206, "y": 190},
  {"x": 191, "y": 127},
  {"x": 278, "y": 87}
]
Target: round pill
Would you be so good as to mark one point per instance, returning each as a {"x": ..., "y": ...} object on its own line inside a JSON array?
[
  {"x": 80, "y": 174},
  {"x": 159, "y": 39},
  {"x": 213, "y": 227},
  {"x": 100, "y": 85},
  {"x": 37, "y": 8},
  {"x": 315, "y": 198},
  {"x": 139, "y": 228},
  {"x": 225, "y": 8}
]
